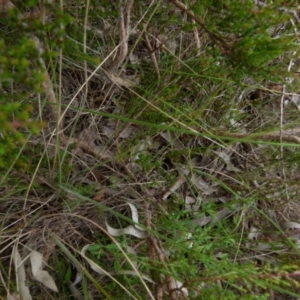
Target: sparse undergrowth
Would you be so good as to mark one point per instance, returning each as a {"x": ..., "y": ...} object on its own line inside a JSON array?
[{"x": 149, "y": 150}]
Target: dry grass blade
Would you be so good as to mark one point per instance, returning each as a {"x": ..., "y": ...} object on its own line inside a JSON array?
[{"x": 175, "y": 115}]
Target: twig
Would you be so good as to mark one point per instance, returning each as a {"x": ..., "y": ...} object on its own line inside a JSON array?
[
  {"x": 224, "y": 47},
  {"x": 151, "y": 52},
  {"x": 196, "y": 35},
  {"x": 161, "y": 258}
]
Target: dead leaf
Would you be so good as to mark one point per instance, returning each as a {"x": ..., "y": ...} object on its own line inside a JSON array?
[
  {"x": 36, "y": 259},
  {"x": 99, "y": 195},
  {"x": 175, "y": 186},
  {"x": 226, "y": 159},
  {"x": 134, "y": 230},
  {"x": 20, "y": 275},
  {"x": 135, "y": 216},
  {"x": 131, "y": 230},
  {"x": 177, "y": 285},
  {"x": 13, "y": 296},
  {"x": 203, "y": 186},
  {"x": 290, "y": 225},
  {"x": 125, "y": 133},
  {"x": 172, "y": 139},
  {"x": 191, "y": 204}
]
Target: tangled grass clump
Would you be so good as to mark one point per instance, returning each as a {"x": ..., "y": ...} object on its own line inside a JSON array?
[{"x": 149, "y": 150}]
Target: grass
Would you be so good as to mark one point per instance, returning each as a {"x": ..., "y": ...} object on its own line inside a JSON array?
[{"x": 192, "y": 132}]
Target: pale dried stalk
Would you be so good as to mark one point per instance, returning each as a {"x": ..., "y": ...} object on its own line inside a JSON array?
[
  {"x": 124, "y": 31},
  {"x": 195, "y": 31},
  {"x": 151, "y": 51},
  {"x": 196, "y": 36}
]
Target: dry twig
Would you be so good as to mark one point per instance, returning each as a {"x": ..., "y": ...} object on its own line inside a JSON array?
[
  {"x": 219, "y": 41},
  {"x": 151, "y": 51}
]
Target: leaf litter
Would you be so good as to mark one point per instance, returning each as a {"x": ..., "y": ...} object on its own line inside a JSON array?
[{"x": 199, "y": 177}]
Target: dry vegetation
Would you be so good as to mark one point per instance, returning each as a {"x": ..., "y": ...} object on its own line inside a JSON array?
[{"x": 167, "y": 166}]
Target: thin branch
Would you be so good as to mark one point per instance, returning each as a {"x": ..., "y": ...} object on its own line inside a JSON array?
[
  {"x": 151, "y": 51},
  {"x": 196, "y": 36},
  {"x": 224, "y": 47}
]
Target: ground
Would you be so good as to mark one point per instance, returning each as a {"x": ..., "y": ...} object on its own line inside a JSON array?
[{"x": 149, "y": 150}]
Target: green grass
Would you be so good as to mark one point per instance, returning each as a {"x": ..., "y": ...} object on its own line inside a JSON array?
[{"x": 189, "y": 135}]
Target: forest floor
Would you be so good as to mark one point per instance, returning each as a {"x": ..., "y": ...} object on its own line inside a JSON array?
[{"x": 160, "y": 171}]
